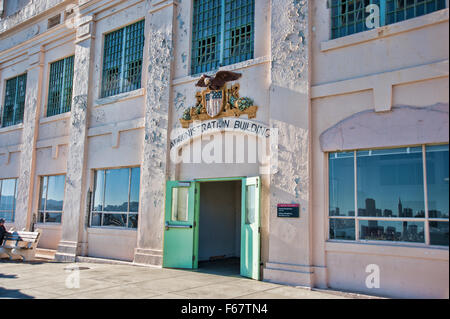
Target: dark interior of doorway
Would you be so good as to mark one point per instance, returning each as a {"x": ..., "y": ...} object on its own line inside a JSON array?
[{"x": 220, "y": 227}]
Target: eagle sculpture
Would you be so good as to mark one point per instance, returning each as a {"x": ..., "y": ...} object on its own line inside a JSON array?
[{"x": 218, "y": 81}]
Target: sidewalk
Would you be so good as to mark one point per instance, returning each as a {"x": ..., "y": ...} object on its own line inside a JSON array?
[{"x": 53, "y": 280}]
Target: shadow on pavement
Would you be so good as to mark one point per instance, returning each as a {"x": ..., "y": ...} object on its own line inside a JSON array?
[{"x": 13, "y": 293}]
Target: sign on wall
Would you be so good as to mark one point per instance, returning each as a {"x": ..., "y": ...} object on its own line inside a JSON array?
[{"x": 288, "y": 210}]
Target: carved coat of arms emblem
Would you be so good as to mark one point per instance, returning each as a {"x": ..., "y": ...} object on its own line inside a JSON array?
[
  {"x": 214, "y": 101},
  {"x": 217, "y": 100}
]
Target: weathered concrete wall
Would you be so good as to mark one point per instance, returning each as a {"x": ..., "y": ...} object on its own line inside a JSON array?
[
  {"x": 289, "y": 243},
  {"x": 74, "y": 206},
  {"x": 155, "y": 145}
]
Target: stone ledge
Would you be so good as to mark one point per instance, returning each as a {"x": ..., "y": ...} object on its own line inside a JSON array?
[
  {"x": 55, "y": 118},
  {"x": 231, "y": 67},
  {"x": 148, "y": 257},
  {"x": 287, "y": 277},
  {"x": 119, "y": 97},
  {"x": 11, "y": 128}
]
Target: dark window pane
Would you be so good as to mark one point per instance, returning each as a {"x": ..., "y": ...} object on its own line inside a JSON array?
[
  {"x": 116, "y": 191},
  {"x": 41, "y": 217},
  {"x": 55, "y": 193},
  {"x": 53, "y": 217},
  {"x": 206, "y": 23},
  {"x": 116, "y": 220},
  {"x": 341, "y": 184},
  {"x": 122, "y": 59},
  {"x": 134, "y": 189},
  {"x": 342, "y": 229},
  {"x": 390, "y": 183},
  {"x": 133, "y": 221},
  {"x": 439, "y": 233},
  {"x": 99, "y": 188},
  {"x": 60, "y": 86},
  {"x": 392, "y": 231},
  {"x": 96, "y": 219},
  {"x": 14, "y": 100},
  {"x": 7, "y": 197},
  {"x": 437, "y": 181}
]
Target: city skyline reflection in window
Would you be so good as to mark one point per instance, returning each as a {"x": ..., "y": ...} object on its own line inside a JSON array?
[
  {"x": 342, "y": 184},
  {"x": 392, "y": 186},
  {"x": 390, "y": 183}
]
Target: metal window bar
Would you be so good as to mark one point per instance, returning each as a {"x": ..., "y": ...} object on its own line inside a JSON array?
[
  {"x": 122, "y": 65},
  {"x": 206, "y": 32},
  {"x": 223, "y": 33},
  {"x": 60, "y": 87},
  {"x": 349, "y": 16},
  {"x": 134, "y": 44},
  {"x": 399, "y": 10},
  {"x": 239, "y": 31},
  {"x": 14, "y": 100}
]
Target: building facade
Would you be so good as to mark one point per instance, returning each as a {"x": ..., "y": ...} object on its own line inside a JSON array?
[{"x": 109, "y": 147}]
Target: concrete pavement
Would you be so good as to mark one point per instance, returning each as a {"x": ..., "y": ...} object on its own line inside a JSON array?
[{"x": 87, "y": 280}]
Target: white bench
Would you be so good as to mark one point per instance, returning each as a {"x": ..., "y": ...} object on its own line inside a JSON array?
[{"x": 21, "y": 243}]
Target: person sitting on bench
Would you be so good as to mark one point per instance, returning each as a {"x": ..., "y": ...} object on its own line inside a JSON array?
[{"x": 3, "y": 230}]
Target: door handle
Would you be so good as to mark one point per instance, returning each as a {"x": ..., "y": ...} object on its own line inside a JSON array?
[{"x": 168, "y": 226}]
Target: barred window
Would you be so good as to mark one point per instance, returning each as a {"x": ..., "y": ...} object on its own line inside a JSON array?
[
  {"x": 14, "y": 100},
  {"x": 349, "y": 16},
  {"x": 51, "y": 199},
  {"x": 399, "y": 10},
  {"x": 223, "y": 33},
  {"x": 122, "y": 60},
  {"x": 60, "y": 86},
  {"x": 8, "y": 195},
  {"x": 116, "y": 198}
]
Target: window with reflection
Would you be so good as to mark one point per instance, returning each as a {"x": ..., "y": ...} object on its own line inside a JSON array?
[
  {"x": 51, "y": 199},
  {"x": 437, "y": 181},
  {"x": 390, "y": 183},
  {"x": 116, "y": 198},
  {"x": 250, "y": 208},
  {"x": 8, "y": 195},
  {"x": 399, "y": 197},
  {"x": 180, "y": 204}
]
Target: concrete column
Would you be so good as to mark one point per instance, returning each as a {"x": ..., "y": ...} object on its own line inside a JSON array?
[
  {"x": 155, "y": 155},
  {"x": 289, "y": 238},
  {"x": 73, "y": 221},
  {"x": 22, "y": 218}
]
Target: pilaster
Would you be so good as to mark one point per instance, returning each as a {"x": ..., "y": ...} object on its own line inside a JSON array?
[
  {"x": 289, "y": 238},
  {"x": 22, "y": 218},
  {"x": 73, "y": 224},
  {"x": 159, "y": 30}
]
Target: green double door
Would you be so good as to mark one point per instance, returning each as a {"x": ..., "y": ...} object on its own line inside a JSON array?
[{"x": 181, "y": 226}]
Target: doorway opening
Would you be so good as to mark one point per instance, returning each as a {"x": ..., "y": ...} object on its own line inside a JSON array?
[
  {"x": 213, "y": 220},
  {"x": 219, "y": 247}
]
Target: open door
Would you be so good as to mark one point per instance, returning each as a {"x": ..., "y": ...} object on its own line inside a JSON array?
[
  {"x": 180, "y": 225},
  {"x": 250, "y": 228}
]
